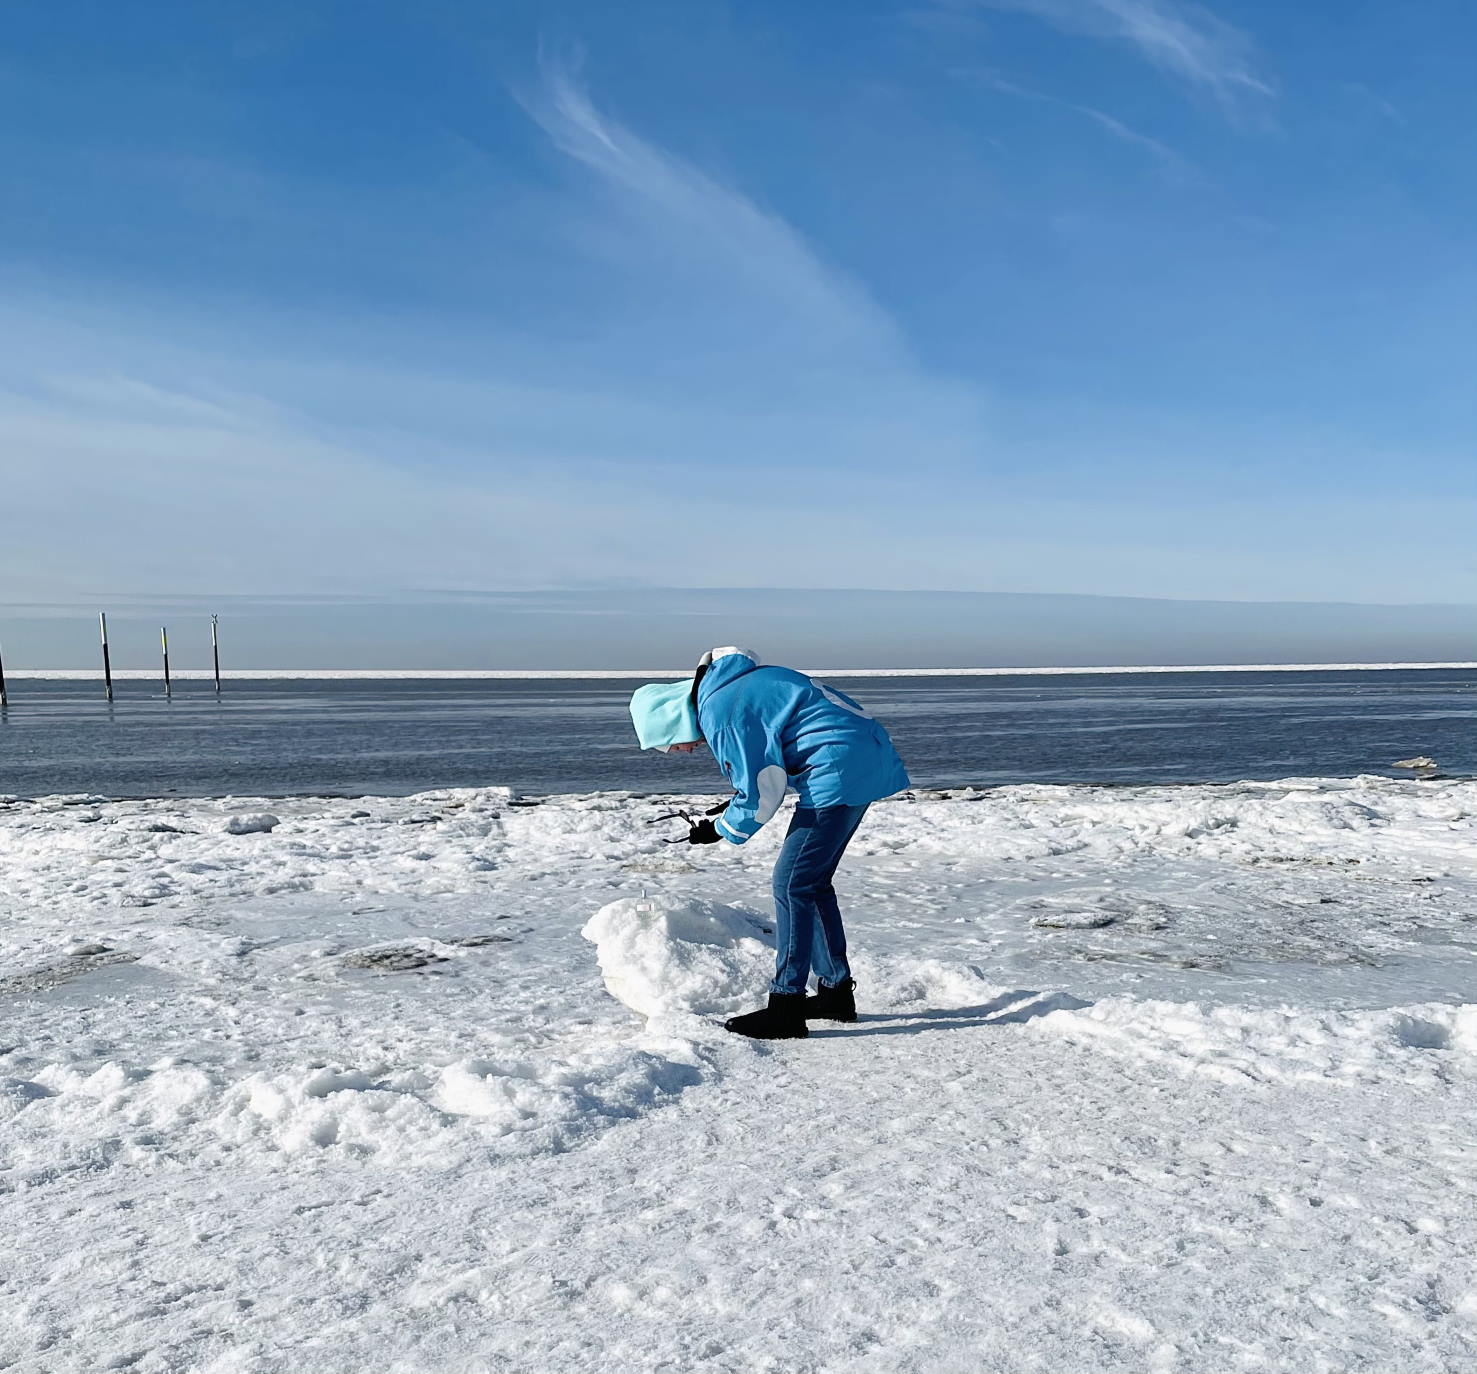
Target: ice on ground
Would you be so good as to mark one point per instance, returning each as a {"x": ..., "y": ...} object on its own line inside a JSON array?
[
  {"x": 1162, "y": 1078},
  {"x": 664, "y": 958},
  {"x": 1239, "y": 1045}
]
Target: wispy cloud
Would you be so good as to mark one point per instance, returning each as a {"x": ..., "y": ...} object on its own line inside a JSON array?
[
  {"x": 734, "y": 238},
  {"x": 1167, "y": 156},
  {"x": 1120, "y": 130},
  {"x": 153, "y": 451},
  {"x": 1374, "y": 98},
  {"x": 1185, "y": 40},
  {"x": 778, "y": 333}
]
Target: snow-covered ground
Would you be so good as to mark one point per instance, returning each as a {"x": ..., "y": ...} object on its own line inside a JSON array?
[{"x": 1152, "y": 1079}]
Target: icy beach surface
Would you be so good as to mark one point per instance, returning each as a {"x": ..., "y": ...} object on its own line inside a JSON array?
[{"x": 1172, "y": 1079}]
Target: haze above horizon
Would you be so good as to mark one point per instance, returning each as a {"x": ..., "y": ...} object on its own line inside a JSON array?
[
  {"x": 348, "y": 320},
  {"x": 639, "y": 628}
]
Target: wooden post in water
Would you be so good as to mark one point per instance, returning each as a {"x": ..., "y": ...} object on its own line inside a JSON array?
[
  {"x": 102, "y": 620},
  {"x": 215, "y": 650},
  {"x": 4, "y": 699},
  {"x": 164, "y": 645}
]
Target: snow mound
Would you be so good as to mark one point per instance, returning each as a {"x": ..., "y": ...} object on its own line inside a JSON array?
[
  {"x": 251, "y": 823},
  {"x": 526, "y": 1101},
  {"x": 664, "y": 957},
  {"x": 1240, "y": 1045}
]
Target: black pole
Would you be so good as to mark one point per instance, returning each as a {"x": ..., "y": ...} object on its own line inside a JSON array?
[
  {"x": 164, "y": 645},
  {"x": 102, "y": 620},
  {"x": 215, "y": 650},
  {"x": 4, "y": 699}
]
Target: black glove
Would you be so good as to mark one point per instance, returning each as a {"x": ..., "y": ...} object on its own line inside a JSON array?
[{"x": 704, "y": 832}]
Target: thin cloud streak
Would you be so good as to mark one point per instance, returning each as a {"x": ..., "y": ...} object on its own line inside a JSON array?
[
  {"x": 793, "y": 351},
  {"x": 1120, "y": 130},
  {"x": 1187, "y": 41},
  {"x": 750, "y": 245},
  {"x": 1172, "y": 160}
]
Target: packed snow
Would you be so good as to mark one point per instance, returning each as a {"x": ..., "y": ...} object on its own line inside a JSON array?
[{"x": 1146, "y": 1079}]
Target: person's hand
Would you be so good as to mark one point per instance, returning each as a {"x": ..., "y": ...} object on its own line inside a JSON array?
[{"x": 704, "y": 832}]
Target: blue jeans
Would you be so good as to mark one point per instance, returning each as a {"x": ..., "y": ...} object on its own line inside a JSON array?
[{"x": 807, "y": 920}]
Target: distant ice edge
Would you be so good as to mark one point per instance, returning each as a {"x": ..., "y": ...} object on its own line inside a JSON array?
[{"x": 624, "y": 674}]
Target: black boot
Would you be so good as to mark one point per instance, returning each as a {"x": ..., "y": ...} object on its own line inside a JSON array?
[
  {"x": 832, "y": 1004},
  {"x": 782, "y": 1019}
]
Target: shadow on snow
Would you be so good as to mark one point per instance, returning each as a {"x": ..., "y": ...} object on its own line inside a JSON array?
[{"x": 1010, "y": 1008}]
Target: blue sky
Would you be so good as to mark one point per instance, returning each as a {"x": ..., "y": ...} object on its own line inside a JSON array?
[{"x": 1132, "y": 297}]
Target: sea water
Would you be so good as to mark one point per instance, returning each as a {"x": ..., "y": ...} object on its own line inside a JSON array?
[{"x": 270, "y": 737}]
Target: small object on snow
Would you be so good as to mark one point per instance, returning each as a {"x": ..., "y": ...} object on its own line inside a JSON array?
[
  {"x": 658, "y": 864},
  {"x": 163, "y": 828},
  {"x": 83, "y": 951},
  {"x": 1419, "y": 761},
  {"x": 1073, "y": 920},
  {"x": 477, "y": 941},
  {"x": 698, "y": 832},
  {"x": 251, "y": 823}
]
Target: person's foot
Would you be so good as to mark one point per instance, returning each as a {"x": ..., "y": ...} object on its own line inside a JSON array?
[
  {"x": 832, "y": 1004},
  {"x": 782, "y": 1019}
]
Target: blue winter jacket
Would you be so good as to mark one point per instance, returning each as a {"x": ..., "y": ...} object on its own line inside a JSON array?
[{"x": 773, "y": 728}]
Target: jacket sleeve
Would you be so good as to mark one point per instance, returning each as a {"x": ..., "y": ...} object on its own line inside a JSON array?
[{"x": 753, "y": 762}]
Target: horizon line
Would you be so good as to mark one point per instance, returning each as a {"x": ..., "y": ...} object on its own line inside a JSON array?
[{"x": 446, "y": 674}]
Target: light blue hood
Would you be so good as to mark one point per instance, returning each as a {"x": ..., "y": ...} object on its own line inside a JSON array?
[{"x": 663, "y": 715}]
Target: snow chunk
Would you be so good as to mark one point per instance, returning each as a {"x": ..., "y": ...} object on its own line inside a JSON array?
[
  {"x": 663, "y": 957},
  {"x": 251, "y": 823},
  {"x": 1073, "y": 920},
  {"x": 17, "y": 1094}
]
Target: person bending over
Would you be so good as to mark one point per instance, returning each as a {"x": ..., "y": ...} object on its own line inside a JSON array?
[{"x": 772, "y": 729}]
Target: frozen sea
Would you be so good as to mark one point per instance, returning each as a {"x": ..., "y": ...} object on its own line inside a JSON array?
[
  {"x": 1174, "y": 1076},
  {"x": 389, "y": 737}
]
